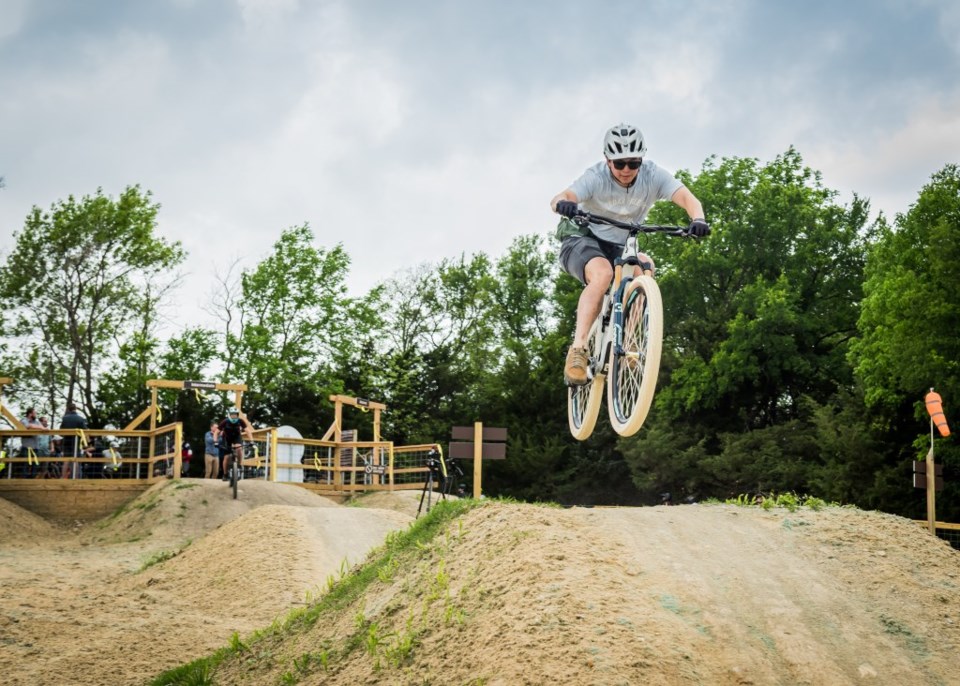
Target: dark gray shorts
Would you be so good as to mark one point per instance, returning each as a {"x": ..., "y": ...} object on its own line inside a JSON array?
[{"x": 576, "y": 251}]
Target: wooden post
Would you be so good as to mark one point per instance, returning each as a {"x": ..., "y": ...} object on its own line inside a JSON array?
[
  {"x": 477, "y": 456},
  {"x": 177, "y": 453},
  {"x": 931, "y": 487},
  {"x": 153, "y": 408},
  {"x": 273, "y": 454}
]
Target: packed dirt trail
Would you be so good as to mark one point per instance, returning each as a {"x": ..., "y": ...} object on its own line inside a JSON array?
[
  {"x": 708, "y": 594},
  {"x": 75, "y": 607}
]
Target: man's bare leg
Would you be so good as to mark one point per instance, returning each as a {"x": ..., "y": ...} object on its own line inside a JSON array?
[{"x": 598, "y": 274}]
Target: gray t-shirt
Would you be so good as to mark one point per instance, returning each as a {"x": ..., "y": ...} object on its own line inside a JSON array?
[{"x": 599, "y": 193}]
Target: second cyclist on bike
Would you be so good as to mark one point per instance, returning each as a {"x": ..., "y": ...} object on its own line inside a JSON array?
[
  {"x": 233, "y": 430},
  {"x": 623, "y": 186}
]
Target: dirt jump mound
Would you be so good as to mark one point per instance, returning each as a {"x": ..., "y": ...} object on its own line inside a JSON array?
[
  {"x": 269, "y": 559},
  {"x": 479, "y": 592},
  {"x": 510, "y": 594},
  {"x": 20, "y": 526},
  {"x": 182, "y": 510}
]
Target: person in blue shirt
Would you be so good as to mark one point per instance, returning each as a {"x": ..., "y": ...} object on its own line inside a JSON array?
[{"x": 211, "y": 458}]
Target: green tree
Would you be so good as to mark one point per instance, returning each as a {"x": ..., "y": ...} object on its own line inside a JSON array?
[
  {"x": 75, "y": 280},
  {"x": 908, "y": 333},
  {"x": 758, "y": 320},
  {"x": 293, "y": 324},
  {"x": 438, "y": 345}
]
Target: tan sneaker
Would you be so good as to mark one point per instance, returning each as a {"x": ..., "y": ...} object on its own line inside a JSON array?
[{"x": 575, "y": 370}]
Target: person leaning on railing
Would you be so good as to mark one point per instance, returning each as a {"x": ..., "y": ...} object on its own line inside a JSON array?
[
  {"x": 43, "y": 440},
  {"x": 28, "y": 444},
  {"x": 71, "y": 420}
]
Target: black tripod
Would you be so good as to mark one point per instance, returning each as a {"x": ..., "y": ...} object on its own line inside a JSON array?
[{"x": 437, "y": 470}]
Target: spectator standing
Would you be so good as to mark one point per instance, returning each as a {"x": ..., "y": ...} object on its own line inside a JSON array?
[
  {"x": 211, "y": 455},
  {"x": 71, "y": 420},
  {"x": 28, "y": 444},
  {"x": 43, "y": 442},
  {"x": 43, "y": 448}
]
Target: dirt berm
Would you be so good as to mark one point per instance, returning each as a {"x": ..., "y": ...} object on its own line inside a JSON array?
[{"x": 501, "y": 594}]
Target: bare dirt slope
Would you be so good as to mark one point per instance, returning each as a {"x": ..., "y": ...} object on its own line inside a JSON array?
[
  {"x": 178, "y": 511},
  {"x": 680, "y": 595},
  {"x": 20, "y": 526},
  {"x": 76, "y": 608},
  {"x": 508, "y": 594}
]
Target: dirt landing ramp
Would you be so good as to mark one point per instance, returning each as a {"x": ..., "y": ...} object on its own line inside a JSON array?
[
  {"x": 669, "y": 595},
  {"x": 174, "y": 512}
]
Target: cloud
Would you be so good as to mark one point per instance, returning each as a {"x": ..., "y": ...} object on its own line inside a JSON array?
[
  {"x": 895, "y": 164},
  {"x": 12, "y": 17},
  {"x": 416, "y": 131}
]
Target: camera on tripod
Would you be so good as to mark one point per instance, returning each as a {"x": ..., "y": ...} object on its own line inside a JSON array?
[{"x": 433, "y": 463}]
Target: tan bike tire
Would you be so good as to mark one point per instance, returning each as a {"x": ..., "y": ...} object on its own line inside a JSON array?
[
  {"x": 583, "y": 402},
  {"x": 633, "y": 377}
]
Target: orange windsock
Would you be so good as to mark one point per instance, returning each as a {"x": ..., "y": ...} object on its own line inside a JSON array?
[{"x": 935, "y": 409}]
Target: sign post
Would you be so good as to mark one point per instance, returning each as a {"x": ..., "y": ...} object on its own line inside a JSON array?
[
  {"x": 935, "y": 409},
  {"x": 469, "y": 445}
]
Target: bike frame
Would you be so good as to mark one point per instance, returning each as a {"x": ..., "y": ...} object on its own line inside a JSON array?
[
  {"x": 611, "y": 320},
  {"x": 628, "y": 392}
]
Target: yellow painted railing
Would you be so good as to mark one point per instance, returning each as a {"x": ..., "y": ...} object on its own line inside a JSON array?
[
  {"x": 150, "y": 455},
  {"x": 154, "y": 454}
]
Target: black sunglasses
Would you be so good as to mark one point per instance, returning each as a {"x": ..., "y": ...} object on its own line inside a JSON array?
[{"x": 620, "y": 164}]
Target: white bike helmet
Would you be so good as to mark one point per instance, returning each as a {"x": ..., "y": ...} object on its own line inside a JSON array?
[{"x": 624, "y": 141}]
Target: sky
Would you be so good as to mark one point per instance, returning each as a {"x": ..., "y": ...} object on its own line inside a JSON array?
[{"x": 416, "y": 131}]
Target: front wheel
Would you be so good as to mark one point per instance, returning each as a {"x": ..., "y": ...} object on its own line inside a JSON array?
[
  {"x": 633, "y": 372},
  {"x": 583, "y": 402},
  {"x": 234, "y": 472}
]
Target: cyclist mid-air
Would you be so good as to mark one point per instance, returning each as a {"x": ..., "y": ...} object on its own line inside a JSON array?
[
  {"x": 623, "y": 186},
  {"x": 233, "y": 430}
]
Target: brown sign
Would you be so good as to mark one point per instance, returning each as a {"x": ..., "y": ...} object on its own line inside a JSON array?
[
  {"x": 461, "y": 447},
  {"x": 920, "y": 481},
  {"x": 920, "y": 478},
  {"x": 490, "y": 433},
  {"x": 462, "y": 450}
]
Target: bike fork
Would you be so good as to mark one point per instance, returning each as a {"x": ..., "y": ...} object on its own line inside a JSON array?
[{"x": 618, "y": 316}]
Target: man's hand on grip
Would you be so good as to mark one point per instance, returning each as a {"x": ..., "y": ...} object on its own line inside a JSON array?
[
  {"x": 698, "y": 228},
  {"x": 567, "y": 208}
]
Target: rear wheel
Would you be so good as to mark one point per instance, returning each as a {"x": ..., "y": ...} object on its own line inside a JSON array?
[
  {"x": 633, "y": 373},
  {"x": 583, "y": 402}
]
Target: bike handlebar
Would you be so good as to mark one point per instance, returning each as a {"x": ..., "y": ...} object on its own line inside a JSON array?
[{"x": 586, "y": 217}]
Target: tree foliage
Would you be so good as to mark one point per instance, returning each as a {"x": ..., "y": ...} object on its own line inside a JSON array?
[
  {"x": 758, "y": 320},
  {"x": 908, "y": 329},
  {"x": 799, "y": 341},
  {"x": 295, "y": 323},
  {"x": 78, "y": 275}
]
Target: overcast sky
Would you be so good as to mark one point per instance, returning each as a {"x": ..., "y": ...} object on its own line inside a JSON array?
[{"x": 413, "y": 131}]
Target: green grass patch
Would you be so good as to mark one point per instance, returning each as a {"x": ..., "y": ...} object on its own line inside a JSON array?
[
  {"x": 163, "y": 556},
  {"x": 788, "y": 501},
  {"x": 380, "y": 566},
  {"x": 157, "y": 558}
]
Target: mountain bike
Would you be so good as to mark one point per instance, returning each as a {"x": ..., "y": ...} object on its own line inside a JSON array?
[
  {"x": 624, "y": 341},
  {"x": 235, "y": 464}
]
